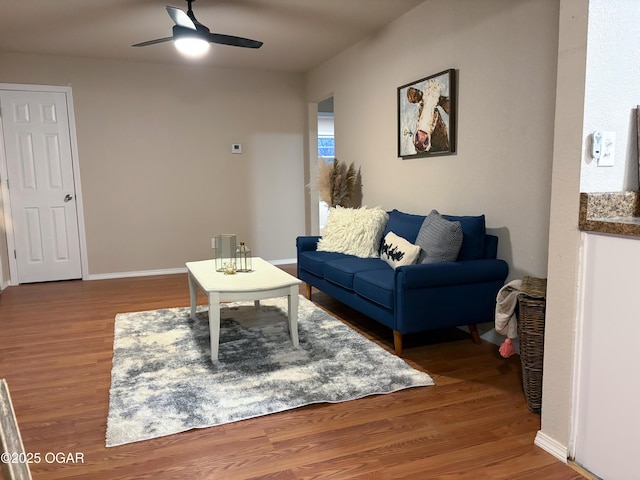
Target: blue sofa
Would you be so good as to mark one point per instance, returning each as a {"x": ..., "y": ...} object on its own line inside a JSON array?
[{"x": 418, "y": 297}]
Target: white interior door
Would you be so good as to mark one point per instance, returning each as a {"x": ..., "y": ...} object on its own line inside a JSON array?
[{"x": 42, "y": 195}]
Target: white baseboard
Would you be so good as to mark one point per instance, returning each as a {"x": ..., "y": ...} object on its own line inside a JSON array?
[
  {"x": 167, "y": 271},
  {"x": 140, "y": 273},
  {"x": 551, "y": 446},
  {"x": 492, "y": 336},
  {"x": 489, "y": 334},
  {"x": 283, "y": 261}
]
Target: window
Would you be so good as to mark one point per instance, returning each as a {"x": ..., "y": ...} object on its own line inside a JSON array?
[
  {"x": 326, "y": 143},
  {"x": 326, "y": 146}
]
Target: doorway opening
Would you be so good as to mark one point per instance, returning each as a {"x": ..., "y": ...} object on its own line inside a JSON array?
[{"x": 326, "y": 148}]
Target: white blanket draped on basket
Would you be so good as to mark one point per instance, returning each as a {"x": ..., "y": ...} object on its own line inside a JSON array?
[
  {"x": 506, "y": 322},
  {"x": 506, "y": 302}
]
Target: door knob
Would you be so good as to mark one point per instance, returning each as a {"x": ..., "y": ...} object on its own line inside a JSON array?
[{"x": 68, "y": 197}]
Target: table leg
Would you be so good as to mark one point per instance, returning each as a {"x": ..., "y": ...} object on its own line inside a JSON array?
[
  {"x": 193, "y": 294},
  {"x": 293, "y": 315},
  {"x": 214, "y": 324}
]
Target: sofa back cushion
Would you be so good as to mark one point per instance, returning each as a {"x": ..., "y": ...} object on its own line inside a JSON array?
[
  {"x": 473, "y": 234},
  {"x": 407, "y": 226}
]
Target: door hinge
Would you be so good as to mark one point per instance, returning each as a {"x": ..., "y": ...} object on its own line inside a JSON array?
[{"x": 14, "y": 255}]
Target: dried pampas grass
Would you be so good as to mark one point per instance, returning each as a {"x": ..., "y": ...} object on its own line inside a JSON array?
[{"x": 336, "y": 182}]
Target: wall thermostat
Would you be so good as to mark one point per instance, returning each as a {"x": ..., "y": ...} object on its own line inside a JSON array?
[{"x": 236, "y": 148}]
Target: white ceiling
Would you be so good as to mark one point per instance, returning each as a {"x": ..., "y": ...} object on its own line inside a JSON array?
[{"x": 297, "y": 34}]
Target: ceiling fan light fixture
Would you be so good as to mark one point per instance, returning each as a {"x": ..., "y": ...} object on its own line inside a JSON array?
[
  {"x": 192, "y": 38},
  {"x": 191, "y": 46}
]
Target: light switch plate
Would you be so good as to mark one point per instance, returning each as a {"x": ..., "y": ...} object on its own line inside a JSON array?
[{"x": 608, "y": 149}]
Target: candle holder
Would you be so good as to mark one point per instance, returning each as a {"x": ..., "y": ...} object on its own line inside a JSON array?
[
  {"x": 224, "y": 251},
  {"x": 243, "y": 257}
]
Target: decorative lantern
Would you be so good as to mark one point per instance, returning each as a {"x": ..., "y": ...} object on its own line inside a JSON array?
[
  {"x": 243, "y": 257},
  {"x": 224, "y": 252}
]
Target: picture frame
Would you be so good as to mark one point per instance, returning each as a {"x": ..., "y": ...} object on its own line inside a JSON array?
[
  {"x": 427, "y": 116},
  {"x": 638, "y": 140}
]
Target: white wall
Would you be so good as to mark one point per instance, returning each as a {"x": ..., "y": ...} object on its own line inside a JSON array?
[
  {"x": 506, "y": 54},
  {"x": 158, "y": 176},
  {"x": 564, "y": 236},
  {"x": 611, "y": 96}
]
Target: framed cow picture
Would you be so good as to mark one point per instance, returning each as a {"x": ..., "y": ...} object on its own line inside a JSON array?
[{"x": 427, "y": 116}]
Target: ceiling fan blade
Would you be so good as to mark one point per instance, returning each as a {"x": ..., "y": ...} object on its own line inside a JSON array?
[
  {"x": 180, "y": 18},
  {"x": 234, "y": 41},
  {"x": 153, "y": 42}
]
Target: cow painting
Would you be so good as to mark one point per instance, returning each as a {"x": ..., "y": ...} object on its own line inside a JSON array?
[{"x": 426, "y": 116}]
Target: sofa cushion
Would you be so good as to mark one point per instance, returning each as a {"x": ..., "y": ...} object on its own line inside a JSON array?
[
  {"x": 408, "y": 225},
  {"x": 473, "y": 233},
  {"x": 342, "y": 271},
  {"x": 397, "y": 251},
  {"x": 439, "y": 239},
  {"x": 376, "y": 286},
  {"x": 405, "y": 225},
  {"x": 313, "y": 261},
  {"x": 354, "y": 231}
]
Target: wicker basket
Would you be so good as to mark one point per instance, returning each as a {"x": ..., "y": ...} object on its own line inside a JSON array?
[{"x": 531, "y": 310}]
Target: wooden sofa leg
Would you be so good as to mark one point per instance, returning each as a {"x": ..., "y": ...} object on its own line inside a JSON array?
[
  {"x": 475, "y": 336},
  {"x": 397, "y": 342},
  {"x": 308, "y": 291}
]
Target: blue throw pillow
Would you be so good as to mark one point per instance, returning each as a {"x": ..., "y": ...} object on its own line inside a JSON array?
[{"x": 473, "y": 234}]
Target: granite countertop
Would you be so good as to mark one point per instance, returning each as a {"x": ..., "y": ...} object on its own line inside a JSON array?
[{"x": 617, "y": 213}]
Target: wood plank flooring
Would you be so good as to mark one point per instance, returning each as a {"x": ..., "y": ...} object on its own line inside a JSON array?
[{"x": 56, "y": 343}]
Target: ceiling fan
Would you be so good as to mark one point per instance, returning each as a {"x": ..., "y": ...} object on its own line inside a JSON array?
[{"x": 194, "y": 37}]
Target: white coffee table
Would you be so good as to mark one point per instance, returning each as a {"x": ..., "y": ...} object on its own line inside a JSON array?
[{"x": 265, "y": 281}]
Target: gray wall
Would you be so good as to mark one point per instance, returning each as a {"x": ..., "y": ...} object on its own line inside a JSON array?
[
  {"x": 506, "y": 54},
  {"x": 158, "y": 176}
]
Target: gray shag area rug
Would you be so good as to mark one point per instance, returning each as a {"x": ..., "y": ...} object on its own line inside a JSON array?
[{"x": 164, "y": 382}]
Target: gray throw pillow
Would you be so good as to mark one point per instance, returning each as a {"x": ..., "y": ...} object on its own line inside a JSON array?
[{"x": 439, "y": 239}]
